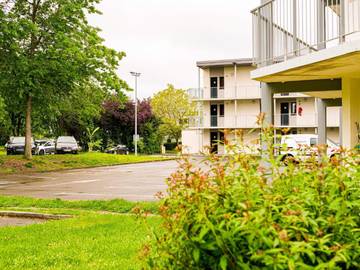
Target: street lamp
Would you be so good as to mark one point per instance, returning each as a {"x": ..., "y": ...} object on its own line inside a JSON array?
[{"x": 136, "y": 75}]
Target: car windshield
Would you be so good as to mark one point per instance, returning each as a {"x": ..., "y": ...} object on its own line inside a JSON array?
[
  {"x": 18, "y": 140},
  {"x": 66, "y": 140}
]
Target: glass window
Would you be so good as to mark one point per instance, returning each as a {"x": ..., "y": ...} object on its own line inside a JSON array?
[
  {"x": 222, "y": 110},
  {"x": 222, "y": 82}
]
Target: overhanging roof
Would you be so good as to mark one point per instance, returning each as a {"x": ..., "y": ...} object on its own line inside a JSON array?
[
  {"x": 329, "y": 63},
  {"x": 225, "y": 62}
]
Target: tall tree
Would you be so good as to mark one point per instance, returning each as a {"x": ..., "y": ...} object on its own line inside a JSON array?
[
  {"x": 117, "y": 121},
  {"x": 173, "y": 107},
  {"x": 48, "y": 49}
]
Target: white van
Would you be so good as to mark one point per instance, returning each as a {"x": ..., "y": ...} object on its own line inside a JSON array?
[{"x": 299, "y": 147}]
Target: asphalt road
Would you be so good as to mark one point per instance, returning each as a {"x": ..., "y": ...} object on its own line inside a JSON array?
[{"x": 133, "y": 182}]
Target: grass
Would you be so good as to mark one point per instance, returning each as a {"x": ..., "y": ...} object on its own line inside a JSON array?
[
  {"x": 116, "y": 206},
  {"x": 17, "y": 164},
  {"x": 89, "y": 240}
]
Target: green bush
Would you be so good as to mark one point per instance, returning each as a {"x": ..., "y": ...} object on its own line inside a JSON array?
[{"x": 237, "y": 213}]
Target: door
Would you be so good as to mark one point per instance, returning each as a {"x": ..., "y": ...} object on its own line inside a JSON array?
[
  {"x": 284, "y": 111},
  {"x": 214, "y": 87},
  {"x": 214, "y": 115},
  {"x": 214, "y": 140}
]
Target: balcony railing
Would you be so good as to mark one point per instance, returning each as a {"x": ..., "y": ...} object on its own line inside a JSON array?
[
  {"x": 295, "y": 120},
  {"x": 229, "y": 92},
  {"x": 225, "y": 122},
  {"x": 284, "y": 29}
]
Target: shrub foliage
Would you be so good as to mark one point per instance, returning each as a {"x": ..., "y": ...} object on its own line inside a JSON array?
[{"x": 236, "y": 212}]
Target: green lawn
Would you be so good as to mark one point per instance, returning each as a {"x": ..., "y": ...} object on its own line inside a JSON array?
[
  {"x": 17, "y": 164},
  {"x": 116, "y": 206},
  {"x": 89, "y": 240}
]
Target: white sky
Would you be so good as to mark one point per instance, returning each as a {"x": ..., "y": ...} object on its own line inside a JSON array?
[{"x": 163, "y": 39}]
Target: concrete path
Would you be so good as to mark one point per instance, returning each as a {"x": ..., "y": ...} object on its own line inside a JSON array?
[{"x": 134, "y": 182}]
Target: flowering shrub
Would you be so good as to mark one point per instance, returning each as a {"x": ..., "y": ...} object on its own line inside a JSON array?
[{"x": 235, "y": 212}]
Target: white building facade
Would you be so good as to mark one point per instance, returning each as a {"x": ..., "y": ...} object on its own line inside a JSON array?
[
  {"x": 228, "y": 102},
  {"x": 312, "y": 47}
]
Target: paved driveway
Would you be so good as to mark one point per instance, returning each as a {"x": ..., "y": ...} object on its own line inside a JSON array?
[{"x": 134, "y": 182}]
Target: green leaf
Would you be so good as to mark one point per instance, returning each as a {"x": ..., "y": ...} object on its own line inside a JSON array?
[
  {"x": 223, "y": 262},
  {"x": 196, "y": 255}
]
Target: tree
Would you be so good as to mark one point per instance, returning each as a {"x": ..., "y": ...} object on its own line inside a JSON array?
[
  {"x": 173, "y": 107},
  {"x": 92, "y": 140},
  {"x": 117, "y": 122},
  {"x": 47, "y": 50}
]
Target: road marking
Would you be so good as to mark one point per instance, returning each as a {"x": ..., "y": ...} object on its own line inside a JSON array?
[
  {"x": 72, "y": 182},
  {"x": 85, "y": 181}
]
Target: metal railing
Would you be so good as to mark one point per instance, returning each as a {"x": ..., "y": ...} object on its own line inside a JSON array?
[
  {"x": 227, "y": 122},
  {"x": 295, "y": 120},
  {"x": 229, "y": 92},
  {"x": 284, "y": 29}
]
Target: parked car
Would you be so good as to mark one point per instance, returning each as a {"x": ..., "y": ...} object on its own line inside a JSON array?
[
  {"x": 66, "y": 144},
  {"x": 300, "y": 147},
  {"x": 119, "y": 150},
  {"x": 44, "y": 147},
  {"x": 16, "y": 146}
]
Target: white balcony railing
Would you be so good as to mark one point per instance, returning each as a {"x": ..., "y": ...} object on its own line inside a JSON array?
[
  {"x": 249, "y": 121},
  {"x": 295, "y": 120},
  {"x": 284, "y": 29},
  {"x": 230, "y": 92},
  {"x": 225, "y": 122}
]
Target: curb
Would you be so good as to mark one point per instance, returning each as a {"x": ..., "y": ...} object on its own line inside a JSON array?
[{"x": 33, "y": 215}]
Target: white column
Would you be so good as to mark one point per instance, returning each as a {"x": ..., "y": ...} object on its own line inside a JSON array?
[
  {"x": 350, "y": 111},
  {"x": 321, "y": 116},
  {"x": 236, "y": 94},
  {"x": 267, "y": 107}
]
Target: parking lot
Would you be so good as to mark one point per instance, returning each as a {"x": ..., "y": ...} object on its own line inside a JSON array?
[{"x": 134, "y": 182}]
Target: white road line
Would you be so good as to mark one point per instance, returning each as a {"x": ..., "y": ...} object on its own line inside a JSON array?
[{"x": 72, "y": 182}]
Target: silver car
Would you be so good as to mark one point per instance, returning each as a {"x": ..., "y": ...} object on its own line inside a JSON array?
[{"x": 66, "y": 144}]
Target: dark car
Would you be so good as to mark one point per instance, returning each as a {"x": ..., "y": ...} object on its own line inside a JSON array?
[
  {"x": 16, "y": 146},
  {"x": 119, "y": 150},
  {"x": 66, "y": 144}
]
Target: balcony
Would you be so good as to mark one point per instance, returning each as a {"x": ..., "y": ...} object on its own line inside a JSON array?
[
  {"x": 295, "y": 120},
  {"x": 227, "y": 93},
  {"x": 285, "y": 29},
  {"x": 227, "y": 122}
]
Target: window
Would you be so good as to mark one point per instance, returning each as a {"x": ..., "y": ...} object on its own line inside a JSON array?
[
  {"x": 222, "y": 82},
  {"x": 293, "y": 108},
  {"x": 222, "y": 110}
]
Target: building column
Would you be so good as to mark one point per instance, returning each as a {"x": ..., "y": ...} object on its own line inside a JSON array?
[
  {"x": 321, "y": 121},
  {"x": 267, "y": 103},
  {"x": 340, "y": 127},
  {"x": 267, "y": 107},
  {"x": 350, "y": 112}
]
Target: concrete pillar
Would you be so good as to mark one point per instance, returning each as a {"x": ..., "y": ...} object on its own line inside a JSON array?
[
  {"x": 267, "y": 107},
  {"x": 340, "y": 127},
  {"x": 321, "y": 116},
  {"x": 267, "y": 103},
  {"x": 350, "y": 111}
]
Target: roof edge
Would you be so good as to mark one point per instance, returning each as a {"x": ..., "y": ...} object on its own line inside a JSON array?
[{"x": 225, "y": 62}]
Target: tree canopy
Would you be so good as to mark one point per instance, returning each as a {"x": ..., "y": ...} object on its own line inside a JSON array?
[
  {"x": 48, "y": 50},
  {"x": 174, "y": 107}
]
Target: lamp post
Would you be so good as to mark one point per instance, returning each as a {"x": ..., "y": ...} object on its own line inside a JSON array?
[{"x": 136, "y": 75}]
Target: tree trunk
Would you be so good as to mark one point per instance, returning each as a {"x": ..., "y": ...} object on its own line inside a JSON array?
[{"x": 28, "y": 144}]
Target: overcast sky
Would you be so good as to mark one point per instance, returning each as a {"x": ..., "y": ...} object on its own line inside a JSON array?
[{"x": 163, "y": 39}]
